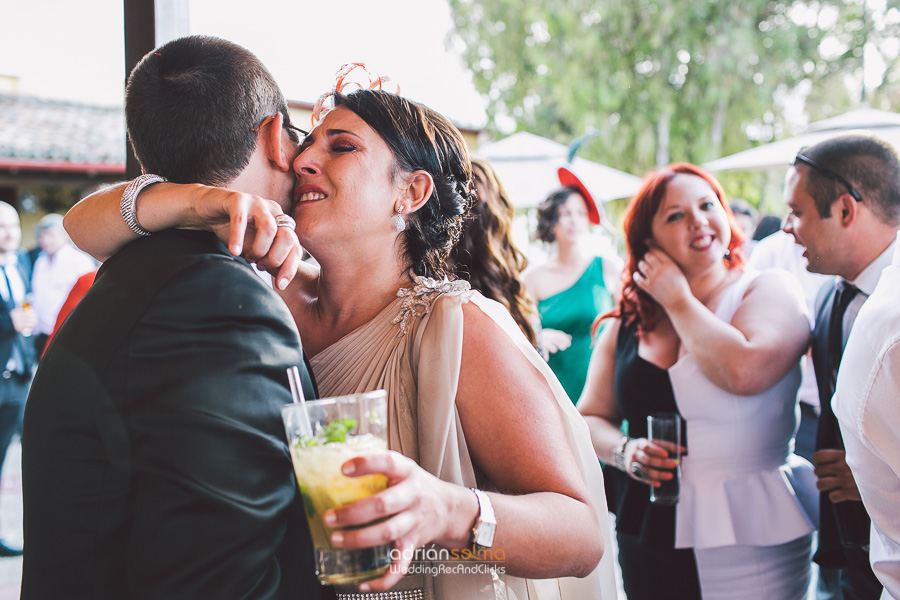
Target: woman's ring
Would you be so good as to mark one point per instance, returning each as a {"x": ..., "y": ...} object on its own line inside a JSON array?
[
  {"x": 639, "y": 472},
  {"x": 285, "y": 221}
]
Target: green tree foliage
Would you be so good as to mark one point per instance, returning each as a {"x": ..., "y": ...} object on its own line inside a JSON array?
[
  {"x": 848, "y": 29},
  {"x": 660, "y": 80}
]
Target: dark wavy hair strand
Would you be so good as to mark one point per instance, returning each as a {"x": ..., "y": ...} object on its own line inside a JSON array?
[{"x": 487, "y": 256}]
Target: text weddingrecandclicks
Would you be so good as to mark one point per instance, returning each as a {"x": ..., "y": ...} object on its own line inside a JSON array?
[
  {"x": 459, "y": 568},
  {"x": 443, "y": 561}
]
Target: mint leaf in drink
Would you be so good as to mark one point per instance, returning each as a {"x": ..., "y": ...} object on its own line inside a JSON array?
[
  {"x": 306, "y": 441},
  {"x": 337, "y": 430}
]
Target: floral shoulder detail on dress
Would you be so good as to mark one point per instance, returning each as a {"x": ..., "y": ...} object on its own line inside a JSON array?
[{"x": 418, "y": 300}]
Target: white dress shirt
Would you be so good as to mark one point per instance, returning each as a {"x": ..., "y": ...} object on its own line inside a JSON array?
[
  {"x": 52, "y": 280},
  {"x": 866, "y": 282},
  {"x": 16, "y": 284},
  {"x": 867, "y": 405}
]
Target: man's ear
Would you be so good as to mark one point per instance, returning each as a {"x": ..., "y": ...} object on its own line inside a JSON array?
[
  {"x": 272, "y": 139},
  {"x": 419, "y": 187},
  {"x": 847, "y": 209}
]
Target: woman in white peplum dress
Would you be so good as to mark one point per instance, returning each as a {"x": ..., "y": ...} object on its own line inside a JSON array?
[{"x": 698, "y": 335}]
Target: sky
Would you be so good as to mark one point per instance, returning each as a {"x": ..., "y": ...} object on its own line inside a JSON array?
[{"x": 73, "y": 50}]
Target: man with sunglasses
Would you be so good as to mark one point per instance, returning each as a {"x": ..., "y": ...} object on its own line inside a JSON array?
[
  {"x": 844, "y": 200},
  {"x": 154, "y": 458}
]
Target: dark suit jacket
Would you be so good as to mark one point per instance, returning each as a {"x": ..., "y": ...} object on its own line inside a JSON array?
[
  {"x": 8, "y": 334},
  {"x": 853, "y": 514},
  {"x": 154, "y": 455}
]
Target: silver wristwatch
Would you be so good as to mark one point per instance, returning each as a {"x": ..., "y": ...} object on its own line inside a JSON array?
[
  {"x": 485, "y": 524},
  {"x": 129, "y": 197},
  {"x": 617, "y": 456}
]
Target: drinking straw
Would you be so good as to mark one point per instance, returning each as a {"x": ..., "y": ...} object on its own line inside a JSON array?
[{"x": 293, "y": 374}]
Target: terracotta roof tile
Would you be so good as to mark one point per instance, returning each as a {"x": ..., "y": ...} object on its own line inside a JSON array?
[{"x": 60, "y": 131}]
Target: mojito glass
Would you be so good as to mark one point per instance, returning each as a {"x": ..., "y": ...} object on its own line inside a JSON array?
[{"x": 322, "y": 436}]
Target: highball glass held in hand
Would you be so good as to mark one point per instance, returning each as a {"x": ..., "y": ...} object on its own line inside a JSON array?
[{"x": 664, "y": 429}]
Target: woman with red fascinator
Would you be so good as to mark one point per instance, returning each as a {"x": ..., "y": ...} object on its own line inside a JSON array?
[
  {"x": 697, "y": 334},
  {"x": 574, "y": 286}
]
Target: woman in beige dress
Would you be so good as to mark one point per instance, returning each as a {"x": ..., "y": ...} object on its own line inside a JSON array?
[{"x": 383, "y": 184}]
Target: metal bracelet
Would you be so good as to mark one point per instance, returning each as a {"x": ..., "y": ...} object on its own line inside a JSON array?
[
  {"x": 129, "y": 197},
  {"x": 617, "y": 456},
  {"x": 396, "y": 595}
]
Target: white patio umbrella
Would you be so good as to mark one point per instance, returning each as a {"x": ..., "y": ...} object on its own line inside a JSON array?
[
  {"x": 527, "y": 165},
  {"x": 885, "y": 125}
]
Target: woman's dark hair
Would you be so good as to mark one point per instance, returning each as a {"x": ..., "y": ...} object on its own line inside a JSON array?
[
  {"x": 768, "y": 225},
  {"x": 486, "y": 255},
  {"x": 422, "y": 139},
  {"x": 548, "y": 212}
]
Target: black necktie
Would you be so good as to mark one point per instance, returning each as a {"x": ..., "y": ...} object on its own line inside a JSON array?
[
  {"x": 850, "y": 518},
  {"x": 844, "y": 294}
]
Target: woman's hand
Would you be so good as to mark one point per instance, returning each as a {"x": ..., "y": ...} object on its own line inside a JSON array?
[
  {"x": 554, "y": 340},
  {"x": 662, "y": 278},
  {"x": 246, "y": 224},
  {"x": 653, "y": 459},
  {"x": 417, "y": 508}
]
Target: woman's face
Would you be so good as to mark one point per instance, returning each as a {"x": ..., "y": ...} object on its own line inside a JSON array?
[
  {"x": 573, "y": 219},
  {"x": 690, "y": 224},
  {"x": 344, "y": 181}
]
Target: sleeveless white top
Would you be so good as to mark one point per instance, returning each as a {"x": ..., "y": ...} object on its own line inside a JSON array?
[{"x": 741, "y": 484}]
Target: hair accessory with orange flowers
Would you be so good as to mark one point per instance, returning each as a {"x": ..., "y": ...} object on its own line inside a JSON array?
[{"x": 342, "y": 82}]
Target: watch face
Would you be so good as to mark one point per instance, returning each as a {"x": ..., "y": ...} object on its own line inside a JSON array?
[{"x": 485, "y": 535}]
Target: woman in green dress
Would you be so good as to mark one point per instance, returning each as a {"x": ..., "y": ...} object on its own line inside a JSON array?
[{"x": 574, "y": 286}]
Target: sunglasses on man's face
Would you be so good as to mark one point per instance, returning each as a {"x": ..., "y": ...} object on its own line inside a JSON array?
[
  {"x": 300, "y": 132},
  {"x": 802, "y": 158}
]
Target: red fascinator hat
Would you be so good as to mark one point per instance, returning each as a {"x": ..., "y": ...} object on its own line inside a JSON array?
[{"x": 568, "y": 178}]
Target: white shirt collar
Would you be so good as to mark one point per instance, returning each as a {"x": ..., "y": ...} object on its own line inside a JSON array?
[
  {"x": 9, "y": 259},
  {"x": 868, "y": 279}
]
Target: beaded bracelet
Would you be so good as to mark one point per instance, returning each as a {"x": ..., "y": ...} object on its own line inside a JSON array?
[{"x": 129, "y": 197}]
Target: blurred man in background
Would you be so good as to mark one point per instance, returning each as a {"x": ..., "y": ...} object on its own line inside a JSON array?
[
  {"x": 58, "y": 265},
  {"x": 17, "y": 321}
]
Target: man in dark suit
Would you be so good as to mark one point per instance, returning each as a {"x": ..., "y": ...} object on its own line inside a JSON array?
[
  {"x": 844, "y": 200},
  {"x": 17, "y": 355},
  {"x": 155, "y": 463}
]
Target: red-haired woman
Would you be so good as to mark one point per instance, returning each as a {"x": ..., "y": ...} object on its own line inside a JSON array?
[{"x": 697, "y": 334}]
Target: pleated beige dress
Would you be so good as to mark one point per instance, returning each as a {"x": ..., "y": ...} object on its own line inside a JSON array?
[{"x": 413, "y": 350}]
